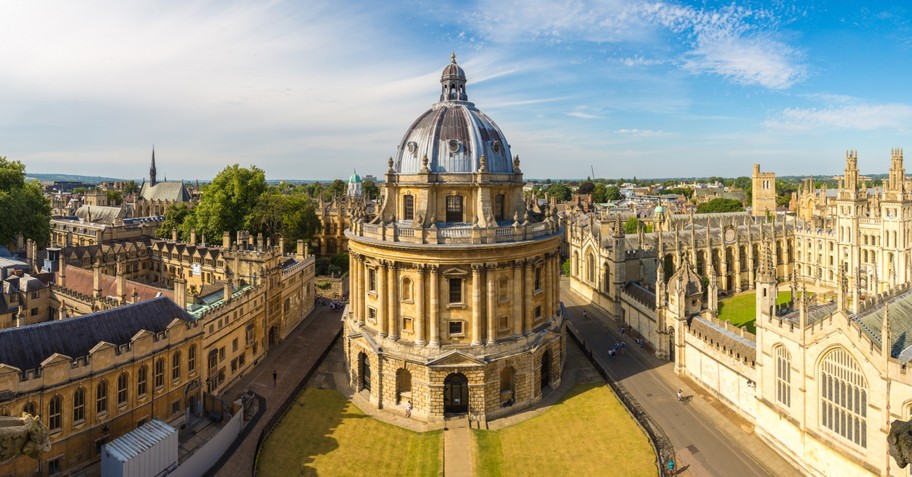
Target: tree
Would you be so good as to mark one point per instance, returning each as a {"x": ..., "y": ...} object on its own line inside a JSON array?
[
  {"x": 559, "y": 191},
  {"x": 23, "y": 208},
  {"x": 613, "y": 193},
  {"x": 293, "y": 217},
  {"x": 228, "y": 202},
  {"x": 600, "y": 194},
  {"x": 370, "y": 190},
  {"x": 114, "y": 197},
  {"x": 175, "y": 217},
  {"x": 720, "y": 205},
  {"x": 130, "y": 187},
  {"x": 630, "y": 227},
  {"x": 585, "y": 187},
  {"x": 337, "y": 188}
]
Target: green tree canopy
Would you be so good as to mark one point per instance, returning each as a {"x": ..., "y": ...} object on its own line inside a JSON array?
[
  {"x": 720, "y": 205},
  {"x": 227, "y": 203},
  {"x": 559, "y": 191},
  {"x": 293, "y": 217},
  {"x": 630, "y": 227},
  {"x": 23, "y": 208},
  {"x": 114, "y": 197},
  {"x": 370, "y": 190},
  {"x": 130, "y": 187},
  {"x": 337, "y": 188},
  {"x": 613, "y": 193},
  {"x": 586, "y": 187},
  {"x": 175, "y": 217}
]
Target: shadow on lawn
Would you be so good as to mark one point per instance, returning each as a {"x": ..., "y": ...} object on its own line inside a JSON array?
[{"x": 322, "y": 422}]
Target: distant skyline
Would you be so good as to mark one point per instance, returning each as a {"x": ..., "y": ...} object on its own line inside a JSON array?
[{"x": 312, "y": 90}]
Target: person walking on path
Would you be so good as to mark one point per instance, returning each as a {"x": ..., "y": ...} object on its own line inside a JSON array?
[
  {"x": 275, "y": 378},
  {"x": 408, "y": 408},
  {"x": 680, "y": 395}
]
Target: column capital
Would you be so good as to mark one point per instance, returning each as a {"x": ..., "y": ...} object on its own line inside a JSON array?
[
  {"x": 477, "y": 268},
  {"x": 434, "y": 269}
]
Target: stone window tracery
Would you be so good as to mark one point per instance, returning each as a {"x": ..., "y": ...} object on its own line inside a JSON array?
[
  {"x": 79, "y": 405},
  {"x": 843, "y": 397},
  {"x": 101, "y": 397},
  {"x": 408, "y": 207},
  {"x": 54, "y": 423},
  {"x": 122, "y": 388},
  {"x": 783, "y": 376}
]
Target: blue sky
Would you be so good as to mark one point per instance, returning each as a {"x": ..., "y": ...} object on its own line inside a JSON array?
[{"x": 312, "y": 89}]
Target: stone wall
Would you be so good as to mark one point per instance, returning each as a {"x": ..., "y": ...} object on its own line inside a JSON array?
[{"x": 337, "y": 287}]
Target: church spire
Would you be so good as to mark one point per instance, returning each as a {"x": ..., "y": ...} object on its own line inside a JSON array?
[{"x": 152, "y": 169}]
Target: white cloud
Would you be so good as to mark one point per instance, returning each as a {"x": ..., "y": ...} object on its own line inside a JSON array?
[
  {"x": 859, "y": 117},
  {"x": 641, "y": 132},
  {"x": 582, "y": 115}
]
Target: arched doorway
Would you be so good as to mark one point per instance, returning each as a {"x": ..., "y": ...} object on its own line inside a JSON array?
[
  {"x": 671, "y": 343},
  {"x": 456, "y": 394},
  {"x": 364, "y": 371},
  {"x": 273, "y": 335},
  {"x": 507, "y": 389},
  {"x": 403, "y": 385},
  {"x": 545, "y": 370}
]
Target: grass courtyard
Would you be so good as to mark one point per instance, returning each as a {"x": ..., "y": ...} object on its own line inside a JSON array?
[
  {"x": 325, "y": 434},
  {"x": 741, "y": 310},
  {"x": 587, "y": 432}
]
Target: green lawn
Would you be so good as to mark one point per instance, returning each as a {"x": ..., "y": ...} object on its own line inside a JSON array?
[
  {"x": 741, "y": 310},
  {"x": 325, "y": 434},
  {"x": 587, "y": 433}
]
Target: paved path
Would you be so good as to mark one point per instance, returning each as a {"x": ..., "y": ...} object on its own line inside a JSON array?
[
  {"x": 457, "y": 449},
  {"x": 709, "y": 439},
  {"x": 292, "y": 359}
]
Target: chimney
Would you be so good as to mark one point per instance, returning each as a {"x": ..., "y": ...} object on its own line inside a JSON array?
[
  {"x": 306, "y": 250},
  {"x": 96, "y": 279},
  {"x": 226, "y": 295},
  {"x": 121, "y": 290},
  {"x": 174, "y": 235},
  {"x": 281, "y": 245},
  {"x": 259, "y": 241},
  {"x": 226, "y": 240},
  {"x": 192, "y": 236},
  {"x": 61, "y": 272},
  {"x": 300, "y": 252},
  {"x": 180, "y": 292}
]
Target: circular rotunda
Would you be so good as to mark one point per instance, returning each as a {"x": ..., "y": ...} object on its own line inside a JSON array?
[{"x": 455, "y": 303}]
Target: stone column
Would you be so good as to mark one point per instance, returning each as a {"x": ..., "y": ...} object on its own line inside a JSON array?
[
  {"x": 362, "y": 290},
  {"x": 556, "y": 266},
  {"x": 381, "y": 300},
  {"x": 393, "y": 301},
  {"x": 492, "y": 302},
  {"x": 547, "y": 289},
  {"x": 435, "y": 307},
  {"x": 419, "y": 304},
  {"x": 516, "y": 299},
  {"x": 527, "y": 306},
  {"x": 476, "y": 304}
]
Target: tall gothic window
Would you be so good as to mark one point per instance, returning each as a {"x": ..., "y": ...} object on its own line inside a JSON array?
[
  {"x": 122, "y": 388},
  {"x": 101, "y": 397},
  {"x": 54, "y": 414},
  {"x": 191, "y": 359},
  {"x": 142, "y": 380},
  {"x": 408, "y": 207},
  {"x": 79, "y": 405},
  {"x": 590, "y": 264},
  {"x": 783, "y": 376},
  {"x": 159, "y": 372},
  {"x": 176, "y": 366},
  {"x": 454, "y": 208},
  {"x": 844, "y": 397}
]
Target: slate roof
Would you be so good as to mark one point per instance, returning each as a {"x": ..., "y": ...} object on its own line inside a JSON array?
[
  {"x": 871, "y": 321},
  {"x": 166, "y": 191},
  {"x": 97, "y": 214},
  {"x": 25, "y": 347}
]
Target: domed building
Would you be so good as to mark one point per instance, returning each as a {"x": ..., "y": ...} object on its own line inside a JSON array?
[{"x": 455, "y": 281}]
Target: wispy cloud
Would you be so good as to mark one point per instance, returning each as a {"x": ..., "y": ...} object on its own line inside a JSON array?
[
  {"x": 641, "y": 133},
  {"x": 859, "y": 117}
]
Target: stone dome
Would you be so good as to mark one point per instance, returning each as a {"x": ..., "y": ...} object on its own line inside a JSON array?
[{"x": 453, "y": 134}]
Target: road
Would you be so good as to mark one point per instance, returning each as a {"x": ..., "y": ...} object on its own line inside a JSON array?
[{"x": 701, "y": 447}]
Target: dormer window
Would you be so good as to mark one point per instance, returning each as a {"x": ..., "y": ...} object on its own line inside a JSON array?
[
  {"x": 454, "y": 208},
  {"x": 453, "y": 145},
  {"x": 412, "y": 147},
  {"x": 496, "y": 147}
]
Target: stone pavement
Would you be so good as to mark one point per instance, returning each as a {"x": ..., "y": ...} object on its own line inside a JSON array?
[
  {"x": 709, "y": 438},
  {"x": 458, "y": 458},
  {"x": 292, "y": 359}
]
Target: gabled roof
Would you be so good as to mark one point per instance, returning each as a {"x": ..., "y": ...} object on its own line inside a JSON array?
[
  {"x": 26, "y": 347},
  {"x": 83, "y": 281},
  {"x": 165, "y": 191}
]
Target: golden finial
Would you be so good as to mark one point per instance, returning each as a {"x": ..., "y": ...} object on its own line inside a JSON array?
[{"x": 453, "y": 57}]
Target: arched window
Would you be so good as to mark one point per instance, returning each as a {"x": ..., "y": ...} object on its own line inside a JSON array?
[
  {"x": 408, "y": 207},
  {"x": 499, "y": 201},
  {"x": 454, "y": 208},
  {"x": 54, "y": 414},
  {"x": 101, "y": 397},
  {"x": 783, "y": 375},
  {"x": 142, "y": 380},
  {"x": 191, "y": 359},
  {"x": 405, "y": 290},
  {"x": 122, "y": 388},
  {"x": 159, "y": 373},
  {"x": 590, "y": 265},
  {"x": 79, "y": 405},
  {"x": 176, "y": 366},
  {"x": 844, "y": 397}
]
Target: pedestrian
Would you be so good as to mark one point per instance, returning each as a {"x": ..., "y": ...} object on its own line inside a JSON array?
[
  {"x": 408, "y": 408},
  {"x": 623, "y": 346},
  {"x": 275, "y": 378},
  {"x": 584, "y": 313},
  {"x": 622, "y": 330},
  {"x": 680, "y": 395}
]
